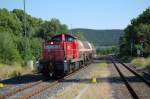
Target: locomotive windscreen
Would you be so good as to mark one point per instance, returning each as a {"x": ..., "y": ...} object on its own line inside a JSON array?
[
  {"x": 69, "y": 38},
  {"x": 57, "y": 38}
]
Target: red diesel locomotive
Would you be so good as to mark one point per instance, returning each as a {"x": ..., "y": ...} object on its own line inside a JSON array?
[{"x": 63, "y": 54}]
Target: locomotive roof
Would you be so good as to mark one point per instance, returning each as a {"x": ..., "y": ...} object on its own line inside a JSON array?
[{"x": 64, "y": 34}]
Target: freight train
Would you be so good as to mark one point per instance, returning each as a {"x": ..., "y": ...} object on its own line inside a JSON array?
[{"x": 64, "y": 54}]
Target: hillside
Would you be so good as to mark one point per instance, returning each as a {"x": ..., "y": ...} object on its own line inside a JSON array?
[{"x": 101, "y": 37}]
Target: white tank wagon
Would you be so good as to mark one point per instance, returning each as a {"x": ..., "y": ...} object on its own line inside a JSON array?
[{"x": 87, "y": 49}]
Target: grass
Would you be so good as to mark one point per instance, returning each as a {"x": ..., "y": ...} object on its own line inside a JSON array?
[
  {"x": 14, "y": 70},
  {"x": 141, "y": 62},
  {"x": 103, "y": 64}
]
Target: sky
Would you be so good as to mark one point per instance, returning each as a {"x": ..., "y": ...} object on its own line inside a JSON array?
[{"x": 92, "y": 14}]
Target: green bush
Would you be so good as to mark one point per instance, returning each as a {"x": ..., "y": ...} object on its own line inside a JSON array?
[{"x": 8, "y": 50}]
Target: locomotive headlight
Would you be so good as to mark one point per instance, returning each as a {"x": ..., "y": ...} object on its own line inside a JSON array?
[{"x": 52, "y": 43}]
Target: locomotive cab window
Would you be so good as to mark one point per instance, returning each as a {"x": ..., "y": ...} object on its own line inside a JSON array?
[
  {"x": 56, "y": 38},
  {"x": 69, "y": 38}
]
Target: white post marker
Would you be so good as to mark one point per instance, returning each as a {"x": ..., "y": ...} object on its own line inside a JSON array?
[{"x": 30, "y": 64}]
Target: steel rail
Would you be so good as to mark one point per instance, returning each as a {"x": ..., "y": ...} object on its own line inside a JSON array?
[
  {"x": 131, "y": 90},
  {"x": 17, "y": 90},
  {"x": 133, "y": 71},
  {"x": 41, "y": 88},
  {"x": 38, "y": 91}
]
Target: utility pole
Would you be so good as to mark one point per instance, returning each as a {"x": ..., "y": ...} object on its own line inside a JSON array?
[
  {"x": 25, "y": 36},
  {"x": 132, "y": 43},
  {"x": 131, "y": 48},
  {"x": 142, "y": 45}
]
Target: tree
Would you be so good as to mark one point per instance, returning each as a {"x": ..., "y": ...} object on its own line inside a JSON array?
[
  {"x": 14, "y": 47},
  {"x": 51, "y": 28},
  {"x": 8, "y": 50},
  {"x": 137, "y": 35},
  {"x": 80, "y": 35}
]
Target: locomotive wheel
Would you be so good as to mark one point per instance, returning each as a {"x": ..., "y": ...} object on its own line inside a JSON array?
[
  {"x": 73, "y": 67},
  {"x": 46, "y": 74}
]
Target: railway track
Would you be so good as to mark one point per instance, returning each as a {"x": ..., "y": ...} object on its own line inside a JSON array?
[
  {"x": 17, "y": 90},
  {"x": 131, "y": 89},
  {"x": 146, "y": 73},
  {"x": 39, "y": 86}
]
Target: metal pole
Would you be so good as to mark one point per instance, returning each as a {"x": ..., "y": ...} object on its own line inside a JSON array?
[
  {"x": 25, "y": 28},
  {"x": 132, "y": 42},
  {"x": 142, "y": 43},
  {"x": 131, "y": 48}
]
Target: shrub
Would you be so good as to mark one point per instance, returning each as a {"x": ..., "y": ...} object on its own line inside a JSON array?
[{"x": 8, "y": 50}]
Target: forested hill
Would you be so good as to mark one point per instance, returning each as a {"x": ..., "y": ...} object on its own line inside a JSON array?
[{"x": 101, "y": 37}]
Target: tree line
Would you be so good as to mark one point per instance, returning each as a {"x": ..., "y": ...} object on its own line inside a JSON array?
[
  {"x": 107, "y": 50},
  {"x": 14, "y": 47},
  {"x": 136, "y": 40}
]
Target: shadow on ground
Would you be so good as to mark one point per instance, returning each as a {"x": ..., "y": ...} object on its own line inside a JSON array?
[
  {"x": 36, "y": 77},
  {"x": 23, "y": 79},
  {"x": 131, "y": 79}
]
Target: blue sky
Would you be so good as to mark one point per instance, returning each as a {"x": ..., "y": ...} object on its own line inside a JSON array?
[{"x": 93, "y": 14}]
